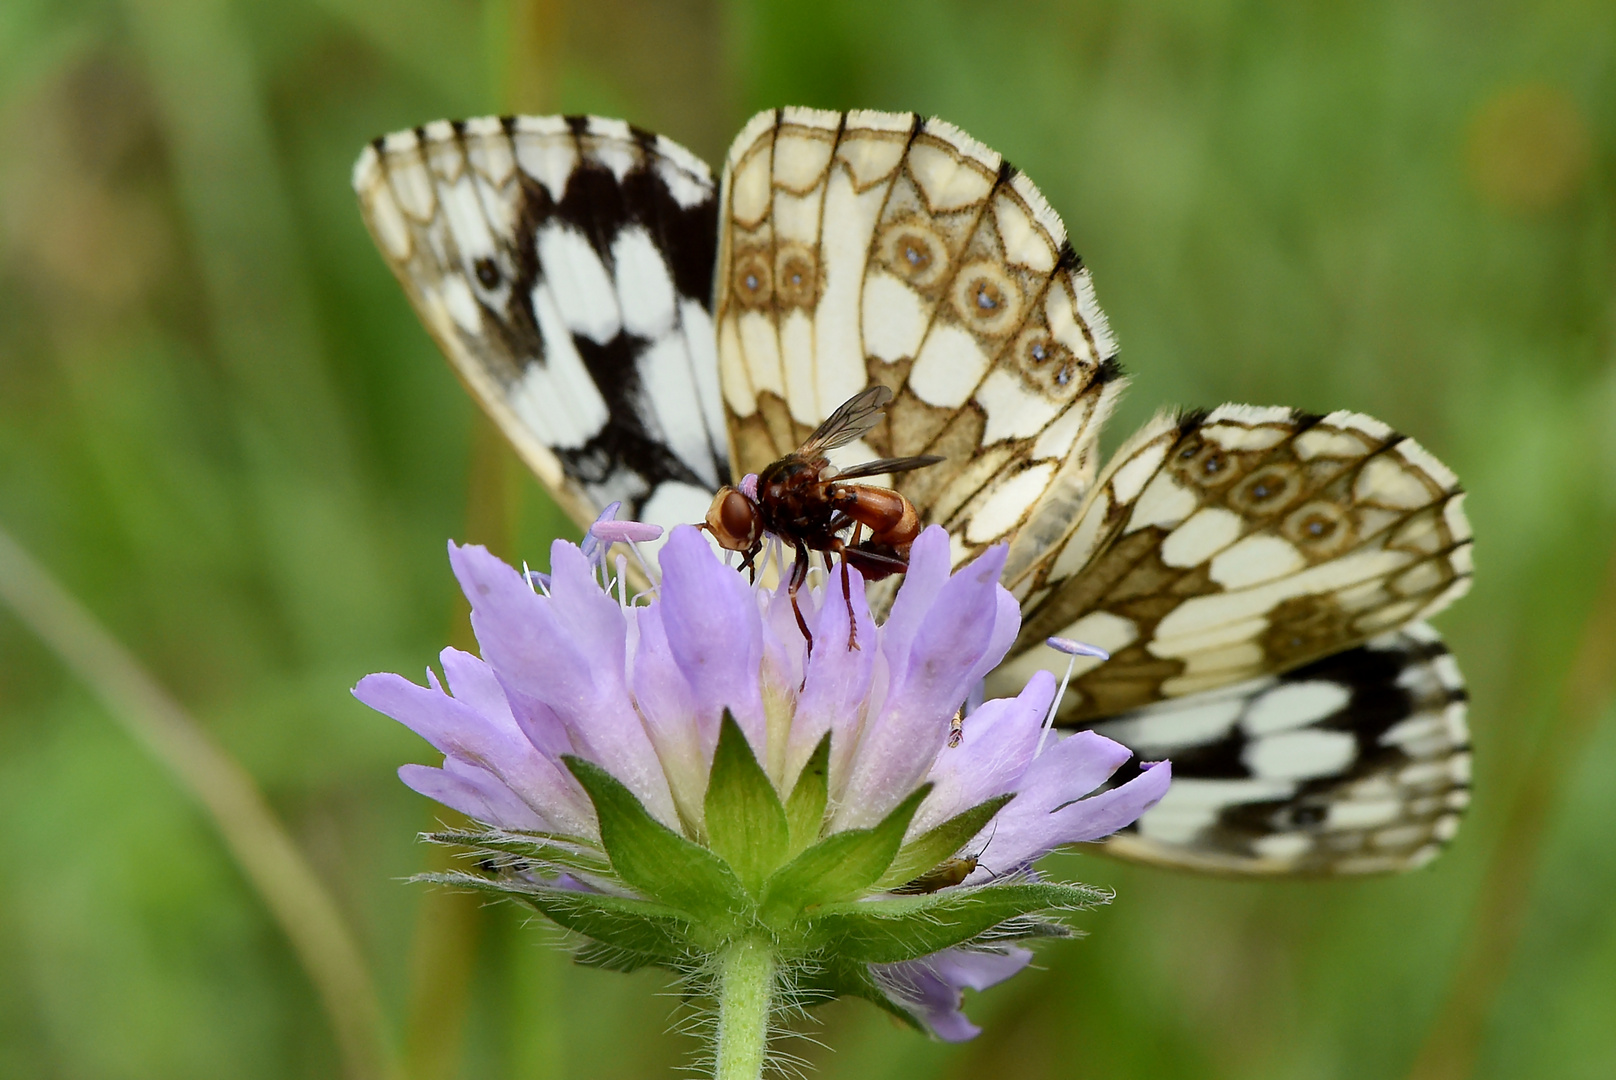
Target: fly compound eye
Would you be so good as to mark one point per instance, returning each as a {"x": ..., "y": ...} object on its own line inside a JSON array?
[{"x": 732, "y": 520}]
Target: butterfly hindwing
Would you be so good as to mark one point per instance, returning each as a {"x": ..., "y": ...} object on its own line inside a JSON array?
[
  {"x": 1356, "y": 763},
  {"x": 564, "y": 264},
  {"x": 1246, "y": 542},
  {"x": 866, "y": 248}
]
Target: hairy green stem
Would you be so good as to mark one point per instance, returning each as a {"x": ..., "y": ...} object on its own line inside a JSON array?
[{"x": 745, "y": 997}]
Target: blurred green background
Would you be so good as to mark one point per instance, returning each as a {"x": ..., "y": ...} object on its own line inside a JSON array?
[{"x": 224, "y": 431}]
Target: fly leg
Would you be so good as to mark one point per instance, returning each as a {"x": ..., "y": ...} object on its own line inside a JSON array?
[
  {"x": 799, "y": 574},
  {"x": 847, "y": 592}
]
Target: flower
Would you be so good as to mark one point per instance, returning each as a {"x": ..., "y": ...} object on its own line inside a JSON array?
[{"x": 677, "y": 774}]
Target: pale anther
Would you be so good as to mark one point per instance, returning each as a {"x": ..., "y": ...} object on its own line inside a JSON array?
[
  {"x": 1076, "y": 648},
  {"x": 625, "y": 532}
]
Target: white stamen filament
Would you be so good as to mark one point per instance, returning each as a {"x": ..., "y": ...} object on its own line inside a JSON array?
[
  {"x": 621, "y": 563},
  {"x": 652, "y": 577},
  {"x": 1072, "y": 649},
  {"x": 1054, "y": 706}
]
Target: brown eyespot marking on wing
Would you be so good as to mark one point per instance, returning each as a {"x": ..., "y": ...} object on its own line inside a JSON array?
[
  {"x": 1047, "y": 366},
  {"x": 986, "y": 298},
  {"x": 1266, "y": 491},
  {"x": 1242, "y": 543},
  {"x": 753, "y": 275},
  {"x": 796, "y": 276},
  {"x": 1320, "y": 529},
  {"x": 912, "y": 250}
]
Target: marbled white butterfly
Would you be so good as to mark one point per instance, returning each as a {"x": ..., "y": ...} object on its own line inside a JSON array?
[{"x": 1259, "y": 575}]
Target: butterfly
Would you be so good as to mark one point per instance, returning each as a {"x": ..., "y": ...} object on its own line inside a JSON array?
[{"x": 1260, "y": 577}]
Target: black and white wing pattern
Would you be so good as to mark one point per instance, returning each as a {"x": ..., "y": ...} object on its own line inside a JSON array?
[
  {"x": 1356, "y": 763},
  {"x": 565, "y": 266},
  {"x": 1260, "y": 576}
]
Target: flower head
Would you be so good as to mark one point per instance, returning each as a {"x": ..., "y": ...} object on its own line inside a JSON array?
[{"x": 673, "y": 775}]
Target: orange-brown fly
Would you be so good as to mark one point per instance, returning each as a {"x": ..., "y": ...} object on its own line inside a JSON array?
[{"x": 809, "y": 504}]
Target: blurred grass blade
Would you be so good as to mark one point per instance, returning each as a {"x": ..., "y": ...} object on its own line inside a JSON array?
[
  {"x": 316, "y": 538},
  {"x": 272, "y": 863},
  {"x": 1453, "y": 1047},
  {"x": 524, "y": 46}
]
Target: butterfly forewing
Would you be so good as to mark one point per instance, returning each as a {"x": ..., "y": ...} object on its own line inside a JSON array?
[
  {"x": 565, "y": 267},
  {"x": 867, "y": 248},
  {"x": 1357, "y": 763}
]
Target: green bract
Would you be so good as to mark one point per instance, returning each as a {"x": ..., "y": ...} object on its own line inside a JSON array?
[{"x": 648, "y": 895}]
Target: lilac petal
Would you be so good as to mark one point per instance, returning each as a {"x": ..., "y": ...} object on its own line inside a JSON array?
[
  {"x": 489, "y": 801},
  {"x": 749, "y": 484},
  {"x": 925, "y": 578},
  {"x": 1006, "y": 625},
  {"x": 573, "y": 666},
  {"x": 1101, "y": 815},
  {"x": 592, "y": 619},
  {"x": 932, "y": 986},
  {"x": 996, "y": 746},
  {"x": 1071, "y": 767},
  {"x": 898, "y": 748},
  {"x": 838, "y": 680},
  {"x": 474, "y": 683},
  {"x": 714, "y": 630},
  {"x": 1049, "y": 809},
  {"x": 665, "y": 701},
  {"x": 541, "y": 725},
  {"x": 491, "y": 742},
  {"x": 962, "y": 623},
  {"x": 783, "y": 646}
]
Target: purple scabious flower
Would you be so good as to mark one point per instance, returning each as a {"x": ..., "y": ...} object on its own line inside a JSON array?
[{"x": 677, "y": 773}]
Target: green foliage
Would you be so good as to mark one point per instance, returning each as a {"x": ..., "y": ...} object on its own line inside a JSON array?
[
  {"x": 222, "y": 426},
  {"x": 562, "y": 854},
  {"x": 654, "y": 860},
  {"x": 909, "y": 927},
  {"x": 746, "y": 825},
  {"x": 842, "y": 865},
  {"x": 938, "y": 843},
  {"x": 638, "y": 927},
  {"x": 694, "y": 906},
  {"x": 805, "y": 808}
]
